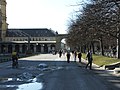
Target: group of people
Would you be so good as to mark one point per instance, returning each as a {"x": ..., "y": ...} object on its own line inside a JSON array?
[
  {"x": 79, "y": 55},
  {"x": 68, "y": 55},
  {"x": 74, "y": 53}
]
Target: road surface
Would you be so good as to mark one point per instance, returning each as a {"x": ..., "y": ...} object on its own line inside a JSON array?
[{"x": 49, "y": 72}]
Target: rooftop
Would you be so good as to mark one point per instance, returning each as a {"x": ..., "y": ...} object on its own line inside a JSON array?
[{"x": 33, "y": 32}]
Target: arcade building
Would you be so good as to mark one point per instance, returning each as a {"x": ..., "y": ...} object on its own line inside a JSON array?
[{"x": 35, "y": 40}]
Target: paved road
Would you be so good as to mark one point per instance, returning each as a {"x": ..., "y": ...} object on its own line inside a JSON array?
[{"x": 56, "y": 74}]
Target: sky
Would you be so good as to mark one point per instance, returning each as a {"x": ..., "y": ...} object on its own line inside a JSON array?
[{"x": 51, "y": 14}]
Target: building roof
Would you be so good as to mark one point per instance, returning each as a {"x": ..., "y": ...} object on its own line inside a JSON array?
[{"x": 35, "y": 32}]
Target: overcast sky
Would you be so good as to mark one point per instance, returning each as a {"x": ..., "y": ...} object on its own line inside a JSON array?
[{"x": 52, "y": 14}]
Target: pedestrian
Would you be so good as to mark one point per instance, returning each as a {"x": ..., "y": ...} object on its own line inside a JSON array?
[
  {"x": 114, "y": 51},
  {"x": 60, "y": 53},
  {"x": 79, "y": 56},
  {"x": 90, "y": 59},
  {"x": 75, "y": 55},
  {"x": 64, "y": 52},
  {"x": 72, "y": 52},
  {"x": 14, "y": 59},
  {"x": 68, "y": 56}
]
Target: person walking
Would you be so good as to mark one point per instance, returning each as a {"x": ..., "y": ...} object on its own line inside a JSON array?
[
  {"x": 90, "y": 59},
  {"x": 75, "y": 55},
  {"x": 14, "y": 59},
  {"x": 60, "y": 53},
  {"x": 79, "y": 56},
  {"x": 68, "y": 56}
]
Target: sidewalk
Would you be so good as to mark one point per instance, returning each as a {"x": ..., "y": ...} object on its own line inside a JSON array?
[{"x": 96, "y": 67}]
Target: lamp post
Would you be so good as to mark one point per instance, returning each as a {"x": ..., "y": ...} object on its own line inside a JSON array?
[
  {"x": 43, "y": 48},
  {"x": 28, "y": 45}
]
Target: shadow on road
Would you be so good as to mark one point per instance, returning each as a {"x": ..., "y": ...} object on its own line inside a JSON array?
[{"x": 41, "y": 69}]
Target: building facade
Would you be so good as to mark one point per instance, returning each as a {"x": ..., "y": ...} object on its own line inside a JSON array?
[{"x": 35, "y": 40}]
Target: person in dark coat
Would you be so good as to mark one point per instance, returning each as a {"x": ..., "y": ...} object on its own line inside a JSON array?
[
  {"x": 60, "y": 53},
  {"x": 75, "y": 55},
  {"x": 90, "y": 59},
  {"x": 14, "y": 59},
  {"x": 79, "y": 56},
  {"x": 68, "y": 56}
]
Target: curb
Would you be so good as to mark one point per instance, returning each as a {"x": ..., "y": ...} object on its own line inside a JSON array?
[
  {"x": 107, "y": 67},
  {"x": 112, "y": 66},
  {"x": 117, "y": 71}
]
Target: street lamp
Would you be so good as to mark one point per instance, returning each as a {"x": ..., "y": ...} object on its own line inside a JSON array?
[
  {"x": 29, "y": 44},
  {"x": 43, "y": 48}
]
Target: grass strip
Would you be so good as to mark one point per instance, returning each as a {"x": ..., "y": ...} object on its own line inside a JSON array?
[{"x": 102, "y": 60}]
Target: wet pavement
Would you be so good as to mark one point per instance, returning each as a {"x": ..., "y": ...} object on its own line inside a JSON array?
[{"x": 49, "y": 72}]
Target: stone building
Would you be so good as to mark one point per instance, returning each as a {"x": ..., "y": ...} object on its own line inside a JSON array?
[
  {"x": 36, "y": 40},
  {"x": 3, "y": 24}
]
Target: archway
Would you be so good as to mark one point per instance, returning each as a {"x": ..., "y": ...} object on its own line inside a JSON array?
[
  {"x": 59, "y": 38},
  {"x": 63, "y": 44}
]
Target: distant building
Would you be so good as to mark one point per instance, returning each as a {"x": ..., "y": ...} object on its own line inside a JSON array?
[
  {"x": 3, "y": 24},
  {"x": 36, "y": 40},
  {"x": 39, "y": 40}
]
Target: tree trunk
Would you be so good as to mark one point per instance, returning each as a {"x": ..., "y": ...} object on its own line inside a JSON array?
[
  {"x": 118, "y": 50},
  {"x": 93, "y": 49},
  {"x": 101, "y": 46}
]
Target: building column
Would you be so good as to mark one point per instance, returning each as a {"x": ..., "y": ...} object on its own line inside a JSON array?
[
  {"x": 49, "y": 48},
  {"x": 13, "y": 47},
  {"x": 42, "y": 48},
  {"x": 6, "y": 48},
  {"x": 20, "y": 48}
]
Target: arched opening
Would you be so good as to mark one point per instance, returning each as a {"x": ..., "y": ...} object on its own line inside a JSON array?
[
  {"x": 9, "y": 48},
  {"x": 60, "y": 41},
  {"x": 24, "y": 48},
  {"x": 32, "y": 48},
  {"x": 3, "y": 49},
  {"x": 63, "y": 44},
  {"x": 17, "y": 47},
  {"x": 45, "y": 48},
  {"x": 38, "y": 48},
  {"x": 52, "y": 47}
]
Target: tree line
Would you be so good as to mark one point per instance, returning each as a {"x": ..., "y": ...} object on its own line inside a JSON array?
[{"x": 98, "y": 21}]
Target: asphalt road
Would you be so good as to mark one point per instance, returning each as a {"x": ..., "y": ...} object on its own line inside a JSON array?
[{"x": 56, "y": 74}]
